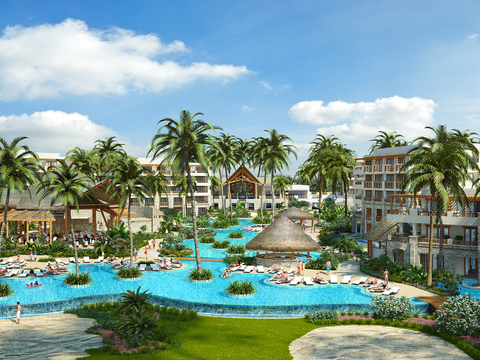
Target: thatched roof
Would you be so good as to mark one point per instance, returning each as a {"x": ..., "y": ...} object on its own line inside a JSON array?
[
  {"x": 294, "y": 213},
  {"x": 381, "y": 230},
  {"x": 283, "y": 235}
]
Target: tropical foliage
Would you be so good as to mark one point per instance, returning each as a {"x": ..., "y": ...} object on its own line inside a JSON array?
[
  {"x": 5, "y": 290},
  {"x": 459, "y": 316},
  {"x": 128, "y": 273},
  {"x": 82, "y": 278},
  {"x": 235, "y": 235},
  {"x": 243, "y": 287},
  {"x": 200, "y": 275},
  {"x": 391, "y": 307},
  {"x": 387, "y": 140}
]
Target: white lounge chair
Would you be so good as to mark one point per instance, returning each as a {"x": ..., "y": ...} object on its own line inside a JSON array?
[
  {"x": 134, "y": 265},
  {"x": 6, "y": 262},
  {"x": 362, "y": 280},
  {"x": 260, "y": 269},
  {"x": 333, "y": 279},
  {"x": 248, "y": 269},
  {"x": 373, "y": 285},
  {"x": 154, "y": 267},
  {"x": 38, "y": 272},
  {"x": 276, "y": 271},
  {"x": 13, "y": 272},
  {"x": 242, "y": 267},
  {"x": 307, "y": 281},
  {"x": 142, "y": 267},
  {"x": 346, "y": 279},
  {"x": 99, "y": 260},
  {"x": 235, "y": 268},
  {"x": 72, "y": 260},
  {"x": 373, "y": 290},
  {"x": 296, "y": 281},
  {"x": 86, "y": 259},
  {"x": 25, "y": 273},
  {"x": 392, "y": 291}
]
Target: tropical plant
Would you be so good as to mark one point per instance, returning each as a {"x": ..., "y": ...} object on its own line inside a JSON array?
[
  {"x": 126, "y": 179},
  {"x": 200, "y": 275},
  {"x": 331, "y": 241},
  {"x": 108, "y": 150},
  {"x": 243, "y": 287},
  {"x": 459, "y": 316},
  {"x": 215, "y": 183},
  {"x": 128, "y": 273},
  {"x": 236, "y": 249},
  {"x": 117, "y": 230},
  {"x": 347, "y": 244},
  {"x": 102, "y": 248},
  {"x": 442, "y": 165},
  {"x": 262, "y": 217},
  {"x": 139, "y": 321},
  {"x": 82, "y": 278},
  {"x": 183, "y": 142},
  {"x": 207, "y": 240},
  {"x": 415, "y": 273},
  {"x": 235, "y": 235},
  {"x": 282, "y": 183},
  {"x": 5, "y": 290},
  {"x": 384, "y": 140},
  {"x": 18, "y": 171},
  {"x": 68, "y": 185},
  {"x": 135, "y": 299},
  {"x": 220, "y": 244},
  {"x": 85, "y": 161},
  {"x": 158, "y": 184},
  {"x": 391, "y": 308}
]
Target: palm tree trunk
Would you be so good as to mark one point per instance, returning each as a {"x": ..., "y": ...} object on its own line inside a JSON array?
[
  {"x": 69, "y": 212},
  {"x": 273, "y": 197},
  {"x": 194, "y": 218},
  {"x": 129, "y": 228},
  {"x": 229, "y": 194},
  {"x": 430, "y": 244},
  {"x": 440, "y": 237},
  {"x": 221, "y": 190},
  {"x": 345, "y": 195},
  {"x": 320, "y": 182},
  {"x": 4, "y": 222}
]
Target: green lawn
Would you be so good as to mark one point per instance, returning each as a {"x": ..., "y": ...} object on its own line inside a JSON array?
[{"x": 229, "y": 338}]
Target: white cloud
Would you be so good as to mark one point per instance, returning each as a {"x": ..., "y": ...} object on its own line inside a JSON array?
[
  {"x": 48, "y": 60},
  {"x": 246, "y": 108},
  {"x": 363, "y": 120},
  {"x": 472, "y": 37},
  {"x": 265, "y": 85},
  {"x": 53, "y": 131}
]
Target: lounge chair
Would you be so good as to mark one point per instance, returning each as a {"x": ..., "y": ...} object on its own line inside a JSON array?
[
  {"x": 346, "y": 279},
  {"x": 99, "y": 260},
  {"x": 333, "y": 279},
  {"x": 362, "y": 280},
  {"x": 291, "y": 272},
  {"x": 61, "y": 262},
  {"x": 260, "y": 269},
  {"x": 286, "y": 281},
  {"x": 248, "y": 269},
  {"x": 379, "y": 290},
  {"x": 25, "y": 273},
  {"x": 6, "y": 262},
  {"x": 38, "y": 272},
  {"x": 374, "y": 285},
  {"x": 323, "y": 282},
  {"x": 307, "y": 281},
  {"x": 72, "y": 260},
  {"x": 235, "y": 268},
  {"x": 242, "y": 267},
  {"x": 134, "y": 265},
  {"x": 392, "y": 291},
  {"x": 154, "y": 267},
  {"x": 86, "y": 259},
  {"x": 142, "y": 267},
  {"x": 13, "y": 272},
  {"x": 296, "y": 281},
  {"x": 275, "y": 271}
]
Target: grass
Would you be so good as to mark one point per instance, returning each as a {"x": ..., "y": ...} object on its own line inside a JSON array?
[{"x": 228, "y": 338}]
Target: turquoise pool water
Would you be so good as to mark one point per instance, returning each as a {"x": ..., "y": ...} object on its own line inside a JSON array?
[{"x": 475, "y": 292}]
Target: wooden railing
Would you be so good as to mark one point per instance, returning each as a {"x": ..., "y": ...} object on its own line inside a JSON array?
[
  {"x": 377, "y": 185},
  {"x": 400, "y": 238},
  {"x": 389, "y": 185},
  {"x": 398, "y": 185},
  {"x": 463, "y": 242},
  {"x": 358, "y": 183},
  {"x": 378, "y": 218},
  {"x": 358, "y": 197},
  {"x": 378, "y": 199},
  {"x": 177, "y": 203},
  {"x": 369, "y": 198},
  {"x": 464, "y": 214},
  {"x": 368, "y": 168},
  {"x": 368, "y": 217},
  {"x": 358, "y": 168},
  {"x": 398, "y": 167},
  {"x": 400, "y": 212},
  {"x": 378, "y": 168},
  {"x": 388, "y": 167},
  {"x": 367, "y": 184}
]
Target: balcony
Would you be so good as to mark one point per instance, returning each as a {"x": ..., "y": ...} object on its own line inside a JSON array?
[
  {"x": 389, "y": 167},
  {"x": 400, "y": 212},
  {"x": 377, "y": 185},
  {"x": 422, "y": 216},
  {"x": 464, "y": 214},
  {"x": 377, "y": 199},
  {"x": 177, "y": 203},
  {"x": 398, "y": 185},
  {"x": 368, "y": 217},
  {"x": 378, "y": 168},
  {"x": 368, "y": 198},
  {"x": 398, "y": 167},
  {"x": 400, "y": 238},
  {"x": 368, "y": 168},
  {"x": 358, "y": 168},
  {"x": 368, "y": 184},
  {"x": 358, "y": 197},
  {"x": 389, "y": 185},
  {"x": 378, "y": 218},
  {"x": 358, "y": 183}
]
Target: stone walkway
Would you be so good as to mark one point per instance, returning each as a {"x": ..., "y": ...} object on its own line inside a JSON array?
[
  {"x": 372, "y": 342},
  {"x": 49, "y": 337}
]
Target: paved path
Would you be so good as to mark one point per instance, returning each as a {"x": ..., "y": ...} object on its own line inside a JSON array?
[
  {"x": 372, "y": 342},
  {"x": 49, "y": 337}
]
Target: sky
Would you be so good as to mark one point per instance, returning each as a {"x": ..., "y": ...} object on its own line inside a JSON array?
[{"x": 72, "y": 72}]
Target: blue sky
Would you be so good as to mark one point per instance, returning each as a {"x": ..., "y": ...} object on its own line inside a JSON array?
[{"x": 72, "y": 72}]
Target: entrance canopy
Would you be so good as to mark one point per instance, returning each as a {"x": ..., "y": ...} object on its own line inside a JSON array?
[{"x": 243, "y": 175}]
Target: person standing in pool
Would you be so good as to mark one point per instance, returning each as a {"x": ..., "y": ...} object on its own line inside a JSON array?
[
  {"x": 328, "y": 267},
  {"x": 19, "y": 311}
]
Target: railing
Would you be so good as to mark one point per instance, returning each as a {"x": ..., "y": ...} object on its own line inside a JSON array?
[
  {"x": 201, "y": 201},
  {"x": 358, "y": 183},
  {"x": 377, "y": 185},
  {"x": 398, "y": 167},
  {"x": 398, "y": 185},
  {"x": 378, "y": 168},
  {"x": 378, "y": 199},
  {"x": 463, "y": 242},
  {"x": 367, "y": 184},
  {"x": 368, "y": 168},
  {"x": 177, "y": 203},
  {"x": 368, "y": 198},
  {"x": 358, "y": 168},
  {"x": 389, "y": 185},
  {"x": 378, "y": 218},
  {"x": 368, "y": 217},
  {"x": 464, "y": 214},
  {"x": 400, "y": 212},
  {"x": 423, "y": 213},
  {"x": 400, "y": 238},
  {"x": 388, "y": 167},
  {"x": 358, "y": 197}
]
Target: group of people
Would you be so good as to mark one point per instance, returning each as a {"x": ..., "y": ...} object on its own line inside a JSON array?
[{"x": 284, "y": 276}]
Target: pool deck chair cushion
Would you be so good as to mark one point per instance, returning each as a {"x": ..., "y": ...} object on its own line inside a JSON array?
[
  {"x": 362, "y": 280},
  {"x": 249, "y": 269},
  {"x": 392, "y": 291},
  {"x": 38, "y": 272},
  {"x": 307, "y": 281},
  {"x": 333, "y": 279},
  {"x": 346, "y": 279},
  {"x": 25, "y": 273},
  {"x": 99, "y": 260},
  {"x": 260, "y": 269},
  {"x": 12, "y": 273},
  {"x": 142, "y": 267},
  {"x": 296, "y": 281},
  {"x": 242, "y": 267},
  {"x": 72, "y": 260},
  {"x": 86, "y": 259},
  {"x": 154, "y": 267}
]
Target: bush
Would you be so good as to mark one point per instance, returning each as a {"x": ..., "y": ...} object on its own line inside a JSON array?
[
  {"x": 450, "y": 282},
  {"x": 320, "y": 316},
  {"x": 128, "y": 273},
  {"x": 240, "y": 288},
  {"x": 207, "y": 240},
  {"x": 235, "y": 235},
  {"x": 391, "y": 308},
  {"x": 51, "y": 259},
  {"x": 201, "y": 223},
  {"x": 459, "y": 316},
  {"x": 5, "y": 290},
  {"x": 236, "y": 249},
  {"x": 187, "y": 232},
  {"x": 247, "y": 260},
  {"x": 341, "y": 223},
  {"x": 220, "y": 244},
  {"x": 204, "y": 274},
  {"x": 267, "y": 219},
  {"x": 83, "y": 278}
]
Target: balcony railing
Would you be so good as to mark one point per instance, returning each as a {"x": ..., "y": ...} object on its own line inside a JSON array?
[
  {"x": 368, "y": 168},
  {"x": 369, "y": 198},
  {"x": 378, "y": 168},
  {"x": 358, "y": 183},
  {"x": 377, "y": 199},
  {"x": 400, "y": 212},
  {"x": 368, "y": 217},
  {"x": 368, "y": 184},
  {"x": 463, "y": 242},
  {"x": 378, "y": 218},
  {"x": 177, "y": 203},
  {"x": 388, "y": 167},
  {"x": 358, "y": 168},
  {"x": 398, "y": 167},
  {"x": 400, "y": 238},
  {"x": 389, "y": 185},
  {"x": 398, "y": 185},
  {"x": 358, "y": 197},
  {"x": 377, "y": 185},
  {"x": 464, "y": 214}
]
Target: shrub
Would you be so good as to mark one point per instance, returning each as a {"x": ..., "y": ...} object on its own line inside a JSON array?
[
  {"x": 5, "y": 290},
  {"x": 207, "y": 240},
  {"x": 146, "y": 262},
  {"x": 236, "y": 249},
  {"x": 459, "y": 316},
  {"x": 342, "y": 222},
  {"x": 203, "y": 223},
  {"x": 83, "y": 278},
  {"x": 247, "y": 260},
  {"x": 391, "y": 308},
  {"x": 235, "y": 235},
  {"x": 320, "y": 316},
  {"x": 220, "y": 244},
  {"x": 240, "y": 288},
  {"x": 204, "y": 274},
  {"x": 51, "y": 259},
  {"x": 128, "y": 273},
  {"x": 187, "y": 232}
]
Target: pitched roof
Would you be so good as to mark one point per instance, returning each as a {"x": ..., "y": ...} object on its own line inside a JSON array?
[
  {"x": 381, "y": 230},
  {"x": 294, "y": 213},
  {"x": 242, "y": 174}
]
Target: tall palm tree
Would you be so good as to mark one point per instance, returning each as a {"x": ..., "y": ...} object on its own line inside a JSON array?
[
  {"x": 158, "y": 183},
  {"x": 441, "y": 164},
  {"x": 181, "y": 182},
  {"x": 214, "y": 184},
  {"x": 183, "y": 142},
  {"x": 244, "y": 149},
  {"x": 67, "y": 184},
  {"x": 276, "y": 156},
  {"x": 228, "y": 146},
  {"x": 84, "y": 160},
  {"x": 282, "y": 183},
  {"x": 257, "y": 160},
  {"x": 127, "y": 179},
  {"x": 384, "y": 140},
  {"x": 18, "y": 171},
  {"x": 108, "y": 150},
  {"x": 215, "y": 158}
]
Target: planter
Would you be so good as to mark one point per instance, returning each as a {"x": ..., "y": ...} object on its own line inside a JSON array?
[
  {"x": 78, "y": 286},
  {"x": 241, "y": 295},
  {"x": 201, "y": 280},
  {"x": 130, "y": 279},
  {"x": 449, "y": 241}
]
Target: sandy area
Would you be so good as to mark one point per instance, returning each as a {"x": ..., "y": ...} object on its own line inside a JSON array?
[
  {"x": 372, "y": 342},
  {"x": 52, "y": 337}
]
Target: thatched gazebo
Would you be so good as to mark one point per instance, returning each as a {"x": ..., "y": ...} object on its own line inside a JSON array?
[
  {"x": 282, "y": 236},
  {"x": 294, "y": 213}
]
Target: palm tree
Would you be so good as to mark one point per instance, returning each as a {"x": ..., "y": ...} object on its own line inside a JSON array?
[
  {"x": 67, "y": 184},
  {"x": 181, "y": 182},
  {"x": 183, "y": 142},
  {"x": 275, "y": 155},
  {"x": 244, "y": 149},
  {"x": 214, "y": 184},
  {"x": 108, "y": 150},
  {"x": 215, "y": 157},
  {"x": 228, "y": 145},
  {"x": 442, "y": 165},
  {"x": 158, "y": 183},
  {"x": 18, "y": 171},
  {"x": 282, "y": 183},
  {"x": 389, "y": 140},
  {"x": 127, "y": 179}
]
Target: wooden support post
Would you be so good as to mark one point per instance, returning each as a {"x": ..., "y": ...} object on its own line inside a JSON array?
[
  {"x": 293, "y": 257},
  {"x": 6, "y": 228},
  {"x": 257, "y": 252},
  {"x": 50, "y": 228},
  {"x": 16, "y": 227},
  {"x": 391, "y": 204},
  {"x": 66, "y": 224},
  {"x": 26, "y": 229},
  {"x": 94, "y": 220},
  {"x": 266, "y": 254},
  {"x": 308, "y": 253},
  {"x": 39, "y": 228}
]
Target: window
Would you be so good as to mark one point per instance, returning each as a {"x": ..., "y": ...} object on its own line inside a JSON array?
[
  {"x": 470, "y": 234},
  {"x": 378, "y": 194},
  {"x": 149, "y": 202},
  {"x": 401, "y": 161},
  {"x": 389, "y": 161},
  {"x": 268, "y": 205},
  {"x": 368, "y": 193},
  {"x": 400, "y": 177},
  {"x": 390, "y": 178},
  {"x": 134, "y": 201},
  {"x": 368, "y": 163},
  {"x": 164, "y": 200},
  {"x": 378, "y": 161},
  {"x": 251, "y": 206},
  {"x": 149, "y": 168},
  {"x": 378, "y": 177},
  {"x": 368, "y": 178},
  {"x": 177, "y": 200}
]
